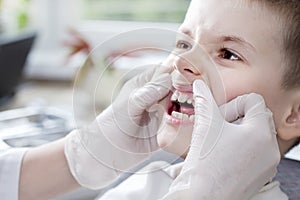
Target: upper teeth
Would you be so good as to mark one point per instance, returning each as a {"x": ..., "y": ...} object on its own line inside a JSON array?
[{"x": 182, "y": 97}]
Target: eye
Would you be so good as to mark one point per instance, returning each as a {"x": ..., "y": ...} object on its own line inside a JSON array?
[
  {"x": 183, "y": 45},
  {"x": 227, "y": 54}
]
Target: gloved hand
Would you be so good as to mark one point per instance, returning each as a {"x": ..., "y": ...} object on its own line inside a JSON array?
[
  {"x": 123, "y": 135},
  {"x": 228, "y": 158}
]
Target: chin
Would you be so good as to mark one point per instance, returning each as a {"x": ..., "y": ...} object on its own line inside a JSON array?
[{"x": 174, "y": 140}]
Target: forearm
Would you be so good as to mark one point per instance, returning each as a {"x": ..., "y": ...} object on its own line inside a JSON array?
[{"x": 45, "y": 173}]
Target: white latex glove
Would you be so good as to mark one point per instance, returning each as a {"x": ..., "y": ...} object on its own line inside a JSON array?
[
  {"x": 122, "y": 136},
  {"x": 228, "y": 160}
]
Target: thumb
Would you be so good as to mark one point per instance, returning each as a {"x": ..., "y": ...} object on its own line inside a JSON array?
[
  {"x": 151, "y": 92},
  {"x": 208, "y": 121},
  {"x": 204, "y": 103}
]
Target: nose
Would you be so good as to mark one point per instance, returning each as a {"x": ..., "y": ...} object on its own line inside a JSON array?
[
  {"x": 196, "y": 63},
  {"x": 186, "y": 71}
]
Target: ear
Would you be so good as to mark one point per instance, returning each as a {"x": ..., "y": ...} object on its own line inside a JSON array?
[{"x": 291, "y": 128}]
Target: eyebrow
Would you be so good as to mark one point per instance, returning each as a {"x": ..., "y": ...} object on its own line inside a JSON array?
[
  {"x": 236, "y": 39},
  {"x": 226, "y": 38}
]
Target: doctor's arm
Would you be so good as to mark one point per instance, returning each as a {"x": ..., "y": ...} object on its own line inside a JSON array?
[
  {"x": 45, "y": 172},
  {"x": 94, "y": 156}
]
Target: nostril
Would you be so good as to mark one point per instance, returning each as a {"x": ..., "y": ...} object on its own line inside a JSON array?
[{"x": 189, "y": 70}]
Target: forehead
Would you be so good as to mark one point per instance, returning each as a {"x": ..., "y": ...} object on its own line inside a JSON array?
[{"x": 250, "y": 21}]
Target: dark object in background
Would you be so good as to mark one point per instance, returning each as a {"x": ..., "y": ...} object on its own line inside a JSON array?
[
  {"x": 13, "y": 53},
  {"x": 289, "y": 177}
]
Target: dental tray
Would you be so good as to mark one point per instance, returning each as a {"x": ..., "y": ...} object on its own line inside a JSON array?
[{"x": 33, "y": 126}]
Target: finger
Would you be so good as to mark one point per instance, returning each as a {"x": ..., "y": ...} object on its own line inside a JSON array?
[
  {"x": 141, "y": 79},
  {"x": 204, "y": 100},
  {"x": 151, "y": 92},
  {"x": 203, "y": 108},
  {"x": 167, "y": 65},
  {"x": 231, "y": 111},
  {"x": 201, "y": 90},
  {"x": 255, "y": 104},
  {"x": 205, "y": 133},
  {"x": 149, "y": 75},
  {"x": 154, "y": 71},
  {"x": 246, "y": 105}
]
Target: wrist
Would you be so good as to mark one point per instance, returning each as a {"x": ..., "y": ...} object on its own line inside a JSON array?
[{"x": 86, "y": 169}]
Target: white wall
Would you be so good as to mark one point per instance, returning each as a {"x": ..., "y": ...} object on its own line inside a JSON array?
[{"x": 53, "y": 17}]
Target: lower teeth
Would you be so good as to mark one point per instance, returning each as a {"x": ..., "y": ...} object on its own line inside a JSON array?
[{"x": 183, "y": 116}]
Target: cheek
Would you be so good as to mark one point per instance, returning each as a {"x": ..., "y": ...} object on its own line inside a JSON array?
[
  {"x": 232, "y": 87},
  {"x": 229, "y": 84},
  {"x": 279, "y": 105}
]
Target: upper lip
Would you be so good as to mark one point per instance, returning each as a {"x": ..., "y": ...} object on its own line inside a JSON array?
[{"x": 184, "y": 88}]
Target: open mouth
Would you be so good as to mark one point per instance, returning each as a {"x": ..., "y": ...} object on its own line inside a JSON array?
[{"x": 181, "y": 106}]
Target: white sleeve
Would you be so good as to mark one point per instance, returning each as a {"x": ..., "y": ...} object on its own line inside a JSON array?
[
  {"x": 150, "y": 183},
  {"x": 10, "y": 166},
  {"x": 270, "y": 191}
]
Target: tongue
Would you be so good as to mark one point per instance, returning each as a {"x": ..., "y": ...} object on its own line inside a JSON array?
[{"x": 187, "y": 110}]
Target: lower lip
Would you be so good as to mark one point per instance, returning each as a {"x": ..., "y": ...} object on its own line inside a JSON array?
[{"x": 176, "y": 121}]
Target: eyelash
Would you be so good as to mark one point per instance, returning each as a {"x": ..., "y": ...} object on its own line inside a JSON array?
[
  {"x": 223, "y": 51},
  {"x": 186, "y": 45}
]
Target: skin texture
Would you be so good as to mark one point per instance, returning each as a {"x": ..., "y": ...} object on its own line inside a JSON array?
[
  {"x": 45, "y": 173},
  {"x": 244, "y": 55}
]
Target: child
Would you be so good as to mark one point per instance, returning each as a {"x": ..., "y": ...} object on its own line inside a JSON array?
[{"x": 255, "y": 47}]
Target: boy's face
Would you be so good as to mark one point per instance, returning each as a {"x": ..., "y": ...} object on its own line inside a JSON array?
[{"x": 243, "y": 43}]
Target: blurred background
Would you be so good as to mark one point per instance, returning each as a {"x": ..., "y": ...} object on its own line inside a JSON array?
[
  {"x": 56, "y": 55},
  {"x": 63, "y": 61},
  {"x": 97, "y": 20}
]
